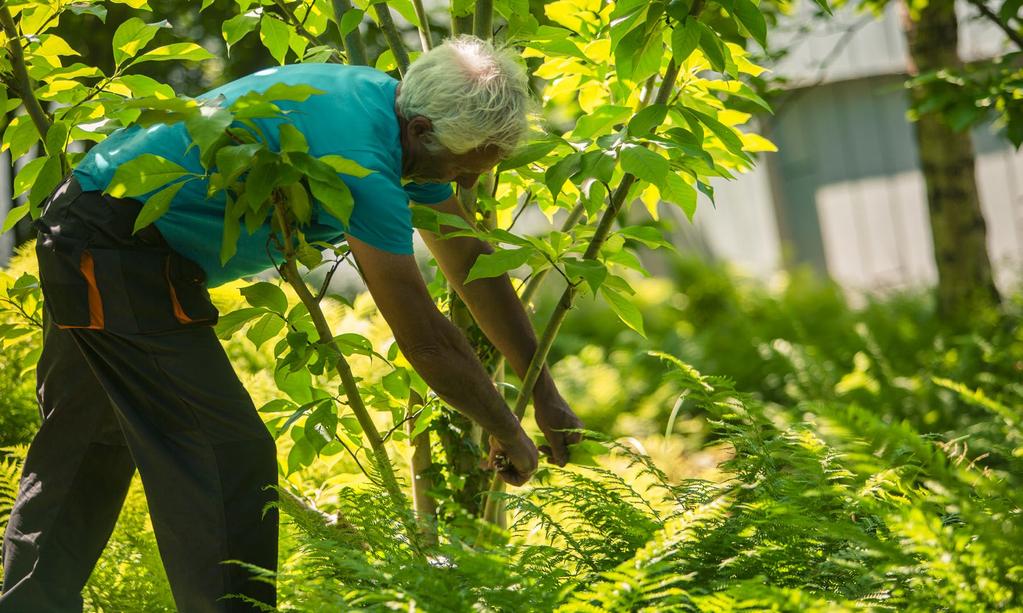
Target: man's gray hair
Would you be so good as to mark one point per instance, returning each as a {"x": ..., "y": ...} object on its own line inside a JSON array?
[{"x": 474, "y": 94}]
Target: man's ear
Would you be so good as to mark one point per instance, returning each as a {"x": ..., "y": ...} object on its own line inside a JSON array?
[{"x": 419, "y": 126}]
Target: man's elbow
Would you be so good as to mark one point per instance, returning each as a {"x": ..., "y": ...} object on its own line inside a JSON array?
[{"x": 425, "y": 350}]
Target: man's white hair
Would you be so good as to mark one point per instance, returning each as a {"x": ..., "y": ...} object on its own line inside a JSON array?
[{"x": 474, "y": 94}]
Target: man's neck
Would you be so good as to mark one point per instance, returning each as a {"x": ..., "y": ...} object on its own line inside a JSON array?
[{"x": 406, "y": 161}]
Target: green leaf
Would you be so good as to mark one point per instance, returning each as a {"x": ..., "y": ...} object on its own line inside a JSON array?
[
  {"x": 156, "y": 205},
  {"x": 235, "y": 28},
  {"x": 423, "y": 420},
  {"x": 527, "y": 155},
  {"x": 301, "y": 455},
  {"x": 352, "y": 343},
  {"x": 345, "y": 166},
  {"x": 14, "y": 216},
  {"x": 676, "y": 191},
  {"x": 230, "y": 323},
  {"x": 260, "y": 182},
  {"x": 131, "y": 36},
  {"x": 684, "y": 39},
  {"x": 710, "y": 44},
  {"x": 334, "y": 196},
  {"x": 645, "y": 164},
  {"x": 584, "y": 453},
  {"x": 648, "y": 235},
  {"x": 95, "y": 10},
  {"x": 599, "y": 164},
  {"x": 267, "y": 295},
  {"x": 598, "y": 122},
  {"x": 298, "y": 201},
  {"x": 727, "y": 135},
  {"x": 142, "y": 86},
  {"x": 207, "y": 126},
  {"x": 268, "y": 326},
  {"x": 232, "y": 230},
  {"x": 26, "y": 177},
  {"x": 385, "y": 61},
  {"x": 350, "y": 21},
  {"x": 824, "y": 5},
  {"x": 592, "y": 271},
  {"x": 294, "y": 92},
  {"x": 175, "y": 51},
  {"x": 560, "y": 171},
  {"x": 752, "y": 19},
  {"x": 647, "y": 119},
  {"x": 292, "y": 139},
  {"x": 623, "y": 307},
  {"x": 297, "y": 384},
  {"x": 321, "y": 426},
  {"x": 56, "y": 138},
  {"x": 275, "y": 35},
  {"x": 19, "y": 136},
  {"x": 234, "y": 159},
  {"x": 49, "y": 177},
  {"x": 396, "y": 383},
  {"x": 497, "y": 263}
]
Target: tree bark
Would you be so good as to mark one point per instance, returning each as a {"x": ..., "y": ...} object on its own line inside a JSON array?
[{"x": 958, "y": 229}]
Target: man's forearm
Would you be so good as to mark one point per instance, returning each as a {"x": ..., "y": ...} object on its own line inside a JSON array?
[
  {"x": 452, "y": 370},
  {"x": 502, "y": 317}
]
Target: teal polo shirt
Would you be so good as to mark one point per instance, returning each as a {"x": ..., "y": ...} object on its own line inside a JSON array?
[{"x": 353, "y": 118}]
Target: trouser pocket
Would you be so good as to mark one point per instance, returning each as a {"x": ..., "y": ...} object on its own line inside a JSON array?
[
  {"x": 152, "y": 291},
  {"x": 70, "y": 290},
  {"x": 189, "y": 297},
  {"x": 120, "y": 290}
]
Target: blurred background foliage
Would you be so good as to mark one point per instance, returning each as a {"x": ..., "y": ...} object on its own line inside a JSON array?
[{"x": 767, "y": 445}]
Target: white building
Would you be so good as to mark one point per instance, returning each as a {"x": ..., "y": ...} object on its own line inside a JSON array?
[{"x": 845, "y": 190}]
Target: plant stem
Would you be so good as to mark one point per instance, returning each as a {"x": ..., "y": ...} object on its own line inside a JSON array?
[
  {"x": 422, "y": 480},
  {"x": 483, "y": 19},
  {"x": 23, "y": 82},
  {"x": 392, "y": 36},
  {"x": 299, "y": 25},
  {"x": 1013, "y": 35},
  {"x": 461, "y": 24},
  {"x": 553, "y": 326},
  {"x": 326, "y": 338},
  {"x": 355, "y": 48},
  {"x": 424, "y": 25}
]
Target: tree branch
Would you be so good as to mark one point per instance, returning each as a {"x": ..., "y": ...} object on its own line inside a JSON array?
[
  {"x": 1013, "y": 35},
  {"x": 392, "y": 36},
  {"x": 23, "y": 82},
  {"x": 355, "y": 48}
]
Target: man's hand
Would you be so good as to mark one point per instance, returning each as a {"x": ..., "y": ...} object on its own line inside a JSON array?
[
  {"x": 515, "y": 460},
  {"x": 553, "y": 415}
]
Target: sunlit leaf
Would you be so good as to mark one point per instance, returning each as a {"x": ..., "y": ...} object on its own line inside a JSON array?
[{"x": 156, "y": 205}]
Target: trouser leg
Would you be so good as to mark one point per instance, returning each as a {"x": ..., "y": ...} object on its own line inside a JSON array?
[
  {"x": 205, "y": 457},
  {"x": 74, "y": 481}
]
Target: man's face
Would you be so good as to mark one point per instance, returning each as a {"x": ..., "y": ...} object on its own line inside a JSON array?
[
  {"x": 462, "y": 168},
  {"x": 425, "y": 166}
]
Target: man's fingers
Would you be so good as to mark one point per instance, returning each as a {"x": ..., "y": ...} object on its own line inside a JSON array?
[
  {"x": 513, "y": 477},
  {"x": 559, "y": 450}
]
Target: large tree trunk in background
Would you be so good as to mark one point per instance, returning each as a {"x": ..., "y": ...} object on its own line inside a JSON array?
[{"x": 958, "y": 229}]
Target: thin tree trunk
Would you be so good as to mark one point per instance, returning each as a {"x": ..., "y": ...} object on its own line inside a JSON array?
[
  {"x": 421, "y": 464},
  {"x": 965, "y": 280}
]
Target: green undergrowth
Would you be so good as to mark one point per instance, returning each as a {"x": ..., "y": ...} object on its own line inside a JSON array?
[{"x": 859, "y": 459}]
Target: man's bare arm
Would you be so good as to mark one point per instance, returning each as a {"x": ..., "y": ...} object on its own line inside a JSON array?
[
  {"x": 440, "y": 353},
  {"x": 502, "y": 317}
]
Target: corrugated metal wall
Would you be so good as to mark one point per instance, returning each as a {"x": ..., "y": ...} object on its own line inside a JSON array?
[{"x": 845, "y": 188}]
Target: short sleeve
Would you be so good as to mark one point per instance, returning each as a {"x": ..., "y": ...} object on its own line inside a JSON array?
[
  {"x": 380, "y": 216},
  {"x": 428, "y": 193}
]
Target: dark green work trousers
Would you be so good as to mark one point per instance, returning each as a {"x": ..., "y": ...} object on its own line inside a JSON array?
[{"x": 132, "y": 375}]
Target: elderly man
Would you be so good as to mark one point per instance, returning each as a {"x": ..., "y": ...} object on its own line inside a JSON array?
[{"x": 132, "y": 375}]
